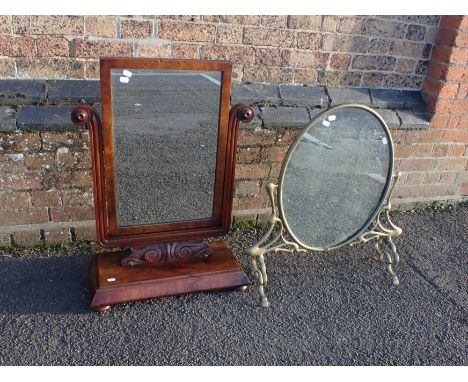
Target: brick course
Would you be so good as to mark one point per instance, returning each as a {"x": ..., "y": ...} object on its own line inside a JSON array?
[{"x": 263, "y": 49}]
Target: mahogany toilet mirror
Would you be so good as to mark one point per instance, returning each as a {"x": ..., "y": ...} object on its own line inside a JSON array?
[{"x": 163, "y": 162}]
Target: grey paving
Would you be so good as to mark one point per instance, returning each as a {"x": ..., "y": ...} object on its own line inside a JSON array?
[
  {"x": 310, "y": 96},
  {"x": 285, "y": 117},
  {"x": 7, "y": 119},
  {"x": 47, "y": 118},
  {"x": 67, "y": 91},
  {"x": 349, "y": 95},
  {"x": 336, "y": 308}
]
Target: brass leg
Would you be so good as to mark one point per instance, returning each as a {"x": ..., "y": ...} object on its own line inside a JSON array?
[
  {"x": 392, "y": 260},
  {"x": 261, "y": 277},
  {"x": 389, "y": 258}
]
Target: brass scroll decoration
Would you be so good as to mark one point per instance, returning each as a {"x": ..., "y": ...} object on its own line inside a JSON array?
[{"x": 382, "y": 230}]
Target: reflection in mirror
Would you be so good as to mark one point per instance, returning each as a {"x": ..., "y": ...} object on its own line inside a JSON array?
[
  {"x": 335, "y": 178},
  {"x": 165, "y": 125}
]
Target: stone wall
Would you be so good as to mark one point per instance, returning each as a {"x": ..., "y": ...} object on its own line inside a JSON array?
[
  {"x": 368, "y": 51},
  {"x": 45, "y": 178}
]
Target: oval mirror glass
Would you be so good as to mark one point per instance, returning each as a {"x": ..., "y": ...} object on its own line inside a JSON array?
[{"x": 335, "y": 177}]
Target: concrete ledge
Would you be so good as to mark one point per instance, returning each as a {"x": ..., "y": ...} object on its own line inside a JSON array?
[
  {"x": 303, "y": 96},
  {"x": 22, "y": 92},
  {"x": 284, "y": 117},
  {"x": 349, "y": 95},
  {"x": 53, "y": 118},
  {"x": 66, "y": 91},
  {"x": 255, "y": 94},
  {"x": 413, "y": 119},
  {"x": 46, "y": 105}
]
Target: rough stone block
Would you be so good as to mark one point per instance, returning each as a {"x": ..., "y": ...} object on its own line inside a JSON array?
[
  {"x": 396, "y": 80},
  {"x": 354, "y": 44},
  {"x": 56, "y": 67},
  {"x": 21, "y": 91},
  {"x": 346, "y": 95},
  {"x": 100, "y": 26},
  {"x": 415, "y": 33},
  {"x": 181, "y": 31},
  {"x": 413, "y": 119},
  {"x": 303, "y": 96},
  {"x": 387, "y": 29},
  {"x": 57, "y": 235},
  {"x": 269, "y": 37},
  {"x": 47, "y": 24},
  {"x": 387, "y": 98},
  {"x": 305, "y": 22},
  {"x": 285, "y": 117},
  {"x": 136, "y": 29},
  {"x": 252, "y": 94},
  {"x": 368, "y": 62},
  {"x": 27, "y": 238},
  {"x": 52, "y": 46},
  {"x": 7, "y": 119},
  {"x": 55, "y": 118},
  {"x": 339, "y": 78},
  {"x": 70, "y": 91},
  {"x": 5, "y": 239},
  {"x": 85, "y": 232}
]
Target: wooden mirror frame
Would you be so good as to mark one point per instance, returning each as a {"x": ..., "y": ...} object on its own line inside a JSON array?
[{"x": 103, "y": 161}]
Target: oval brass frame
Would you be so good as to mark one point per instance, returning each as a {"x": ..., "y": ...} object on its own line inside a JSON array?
[{"x": 382, "y": 197}]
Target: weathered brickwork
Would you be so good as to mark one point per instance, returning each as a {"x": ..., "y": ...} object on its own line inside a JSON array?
[
  {"x": 45, "y": 171},
  {"x": 369, "y": 51}
]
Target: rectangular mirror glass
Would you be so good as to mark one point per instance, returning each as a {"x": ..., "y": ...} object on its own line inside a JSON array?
[{"x": 165, "y": 131}]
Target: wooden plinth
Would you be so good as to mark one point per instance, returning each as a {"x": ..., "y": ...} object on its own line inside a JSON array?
[{"x": 113, "y": 284}]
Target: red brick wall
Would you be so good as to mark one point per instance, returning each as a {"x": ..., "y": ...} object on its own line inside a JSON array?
[{"x": 445, "y": 90}]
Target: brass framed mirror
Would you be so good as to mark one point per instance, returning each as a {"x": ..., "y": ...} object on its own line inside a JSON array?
[
  {"x": 163, "y": 173},
  {"x": 334, "y": 190}
]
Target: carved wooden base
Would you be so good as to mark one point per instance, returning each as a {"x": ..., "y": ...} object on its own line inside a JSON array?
[
  {"x": 113, "y": 284},
  {"x": 178, "y": 252}
]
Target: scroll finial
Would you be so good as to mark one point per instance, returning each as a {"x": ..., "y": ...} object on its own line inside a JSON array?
[
  {"x": 245, "y": 114},
  {"x": 80, "y": 116}
]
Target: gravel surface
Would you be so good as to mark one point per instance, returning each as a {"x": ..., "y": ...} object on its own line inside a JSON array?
[{"x": 335, "y": 308}]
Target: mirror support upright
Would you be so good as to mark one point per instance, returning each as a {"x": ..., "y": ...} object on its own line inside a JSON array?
[
  {"x": 383, "y": 230},
  {"x": 155, "y": 270}
]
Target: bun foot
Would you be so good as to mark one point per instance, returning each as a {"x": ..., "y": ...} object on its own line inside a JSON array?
[{"x": 101, "y": 309}]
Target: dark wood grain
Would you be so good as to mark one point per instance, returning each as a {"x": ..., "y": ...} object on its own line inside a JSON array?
[
  {"x": 113, "y": 284},
  {"x": 178, "y": 252},
  {"x": 102, "y": 151},
  {"x": 219, "y": 270}
]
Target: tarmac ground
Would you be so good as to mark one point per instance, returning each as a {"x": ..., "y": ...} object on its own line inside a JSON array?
[{"x": 335, "y": 308}]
